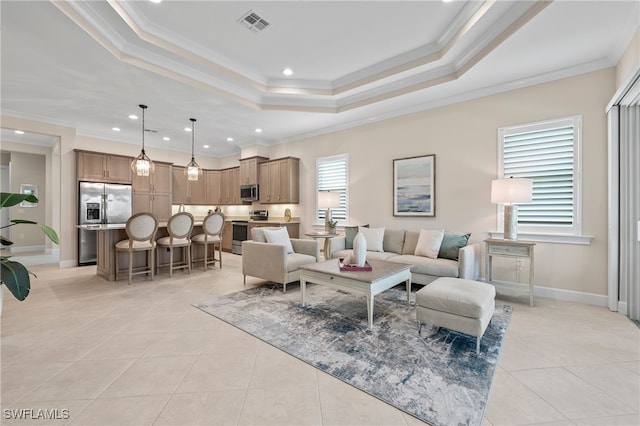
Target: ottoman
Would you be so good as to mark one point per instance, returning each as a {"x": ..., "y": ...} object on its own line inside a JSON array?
[{"x": 462, "y": 305}]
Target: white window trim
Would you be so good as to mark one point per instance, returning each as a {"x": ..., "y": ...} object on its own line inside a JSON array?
[
  {"x": 319, "y": 222},
  {"x": 557, "y": 234}
]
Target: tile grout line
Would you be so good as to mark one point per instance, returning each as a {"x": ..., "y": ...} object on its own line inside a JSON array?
[{"x": 246, "y": 393}]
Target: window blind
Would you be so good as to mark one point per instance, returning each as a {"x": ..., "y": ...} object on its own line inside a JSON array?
[
  {"x": 332, "y": 176},
  {"x": 545, "y": 153}
]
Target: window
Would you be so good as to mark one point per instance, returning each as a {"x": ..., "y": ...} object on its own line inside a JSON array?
[
  {"x": 547, "y": 153},
  {"x": 332, "y": 175}
]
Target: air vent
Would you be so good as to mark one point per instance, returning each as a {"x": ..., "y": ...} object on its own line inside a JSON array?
[{"x": 253, "y": 21}]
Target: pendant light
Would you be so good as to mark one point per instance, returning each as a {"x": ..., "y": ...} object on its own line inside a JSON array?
[
  {"x": 142, "y": 164},
  {"x": 193, "y": 170}
]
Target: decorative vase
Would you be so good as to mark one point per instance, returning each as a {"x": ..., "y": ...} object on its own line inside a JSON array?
[
  {"x": 332, "y": 231},
  {"x": 359, "y": 249}
]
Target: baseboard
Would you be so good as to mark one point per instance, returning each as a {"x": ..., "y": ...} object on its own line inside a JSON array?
[
  {"x": 25, "y": 249},
  {"x": 67, "y": 263},
  {"x": 622, "y": 308},
  {"x": 554, "y": 293}
]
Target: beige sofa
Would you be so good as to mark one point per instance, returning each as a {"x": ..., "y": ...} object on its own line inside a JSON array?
[
  {"x": 399, "y": 245},
  {"x": 271, "y": 262}
]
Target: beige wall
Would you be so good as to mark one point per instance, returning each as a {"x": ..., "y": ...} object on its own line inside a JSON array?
[
  {"x": 463, "y": 137},
  {"x": 28, "y": 169},
  {"x": 630, "y": 60}
]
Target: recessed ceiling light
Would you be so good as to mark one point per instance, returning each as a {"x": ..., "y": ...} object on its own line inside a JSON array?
[
  {"x": 166, "y": 138},
  {"x": 155, "y": 1},
  {"x": 258, "y": 130},
  {"x": 18, "y": 132},
  {"x": 133, "y": 116},
  {"x": 229, "y": 139},
  {"x": 287, "y": 72},
  {"x": 187, "y": 129},
  {"x": 115, "y": 129},
  {"x": 205, "y": 146}
]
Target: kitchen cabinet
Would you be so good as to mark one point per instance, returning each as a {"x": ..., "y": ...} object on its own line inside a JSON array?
[
  {"x": 230, "y": 186},
  {"x": 198, "y": 190},
  {"x": 188, "y": 191},
  {"x": 212, "y": 178},
  {"x": 227, "y": 237},
  {"x": 280, "y": 181},
  {"x": 153, "y": 193},
  {"x": 249, "y": 170},
  {"x": 100, "y": 167}
]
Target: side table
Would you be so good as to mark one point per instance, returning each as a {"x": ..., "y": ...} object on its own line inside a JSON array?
[
  {"x": 326, "y": 237},
  {"x": 512, "y": 249}
]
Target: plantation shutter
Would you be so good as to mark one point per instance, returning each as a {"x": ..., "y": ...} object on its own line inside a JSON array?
[
  {"x": 332, "y": 176},
  {"x": 547, "y": 155}
]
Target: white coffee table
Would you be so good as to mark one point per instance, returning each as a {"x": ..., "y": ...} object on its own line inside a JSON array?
[{"x": 383, "y": 276}]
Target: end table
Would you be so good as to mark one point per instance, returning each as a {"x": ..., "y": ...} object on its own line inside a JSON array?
[
  {"x": 513, "y": 249},
  {"x": 326, "y": 237}
]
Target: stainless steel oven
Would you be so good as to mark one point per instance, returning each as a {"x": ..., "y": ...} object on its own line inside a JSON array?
[{"x": 240, "y": 230}]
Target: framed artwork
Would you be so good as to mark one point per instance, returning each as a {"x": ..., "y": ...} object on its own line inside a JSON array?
[
  {"x": 414, "y": 186},
  {"x": 28, "y": 189}
]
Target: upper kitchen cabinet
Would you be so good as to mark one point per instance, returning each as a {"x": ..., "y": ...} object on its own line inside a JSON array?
[
  {"x": 212, "y": 178},
  {"x": 100, "y": 167},
  {"x": 188, "y": 191},
  {"x": 280, "y": 181},
  {"x": 230, "y": 186},
  {"x": 249, "y": 170},
  {"x": 153, "y": 193}
]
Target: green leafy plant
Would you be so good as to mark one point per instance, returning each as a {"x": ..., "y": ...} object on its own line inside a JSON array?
[
  {"x": 14, "y": 274},
  {"x": 332, "y": 223}
]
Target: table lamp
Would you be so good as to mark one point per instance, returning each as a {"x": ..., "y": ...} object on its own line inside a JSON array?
[
  {"x": 511, "y": 192},
  {"x": 328, "y": 200}
]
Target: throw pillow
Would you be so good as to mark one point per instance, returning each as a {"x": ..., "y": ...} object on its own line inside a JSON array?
[
  {"x": 451, "y": 244},
  {"x": 349, "y": 234},
  {"x": 374, "y": 237},
  {"x": 410, "y": 242},
  {"x": 393, "y": 240},
  {"x": 279, "y": 236},
  {"x": 429, "y": 243}
]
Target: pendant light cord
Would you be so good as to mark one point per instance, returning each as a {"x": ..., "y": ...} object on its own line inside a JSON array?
[
  {"x": 143, "y": 108},
  {"x": 193, "y": 131}
]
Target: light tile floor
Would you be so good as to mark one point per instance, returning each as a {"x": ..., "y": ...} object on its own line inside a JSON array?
[{"x": 99, "y": 353}]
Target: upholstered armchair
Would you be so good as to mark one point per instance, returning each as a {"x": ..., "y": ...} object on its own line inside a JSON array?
[{"x": 279, "y": 260}]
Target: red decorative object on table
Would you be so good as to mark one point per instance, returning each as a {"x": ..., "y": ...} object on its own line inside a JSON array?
[{"x": 349, "y": 268}]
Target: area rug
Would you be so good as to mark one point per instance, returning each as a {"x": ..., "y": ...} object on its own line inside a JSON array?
[{"x": 438, "y": 379}]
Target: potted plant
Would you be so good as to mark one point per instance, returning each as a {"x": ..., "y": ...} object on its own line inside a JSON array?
[
  {"x": 332, "y": 226},
  {"x": 15, "y": 275}
]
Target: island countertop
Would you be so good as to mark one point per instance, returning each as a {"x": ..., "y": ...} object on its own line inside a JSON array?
[{"x": 116, "y": 226}]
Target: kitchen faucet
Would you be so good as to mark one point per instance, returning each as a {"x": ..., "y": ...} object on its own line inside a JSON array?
[{"x": 181, "y": 208}]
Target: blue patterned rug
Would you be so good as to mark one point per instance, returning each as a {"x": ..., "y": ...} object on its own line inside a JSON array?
[{"x": 438, "y": 379}]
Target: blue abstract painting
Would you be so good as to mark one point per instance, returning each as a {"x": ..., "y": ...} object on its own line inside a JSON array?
[{"x": 414, "y": 186}]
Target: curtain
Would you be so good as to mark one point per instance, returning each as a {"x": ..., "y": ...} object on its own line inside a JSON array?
[{"x": 629, "y": 219}]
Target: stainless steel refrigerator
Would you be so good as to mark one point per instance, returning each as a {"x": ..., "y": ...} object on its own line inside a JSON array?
[{"x": 99, "y": 203}]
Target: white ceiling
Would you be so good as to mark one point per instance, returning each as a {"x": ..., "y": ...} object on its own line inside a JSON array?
[{"x": 88, "y": 65}]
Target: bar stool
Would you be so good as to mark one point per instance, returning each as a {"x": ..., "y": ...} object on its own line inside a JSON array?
[
  {"x": 141, "y": 229},
  {"x": 179, "y": 227},
  {"x": 212, "y": 226}
]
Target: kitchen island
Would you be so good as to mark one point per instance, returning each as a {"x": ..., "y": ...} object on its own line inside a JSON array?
[{"x": 110, "y": 234}]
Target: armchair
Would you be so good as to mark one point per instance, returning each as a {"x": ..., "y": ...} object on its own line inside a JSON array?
[{"x": 271, "y": 262}]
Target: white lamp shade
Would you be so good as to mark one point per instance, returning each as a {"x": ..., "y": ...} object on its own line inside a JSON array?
[
  {"x": 511, "y": 191},
  {"x": 328, "y": 200}
]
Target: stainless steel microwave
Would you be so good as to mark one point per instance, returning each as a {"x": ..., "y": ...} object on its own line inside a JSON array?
[{"x": 249, "y": 193}]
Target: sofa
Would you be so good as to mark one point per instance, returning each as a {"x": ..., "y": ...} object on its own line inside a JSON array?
[
  {"x": 457, "y": 260},
  {"x": 273, "y": 256}
]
